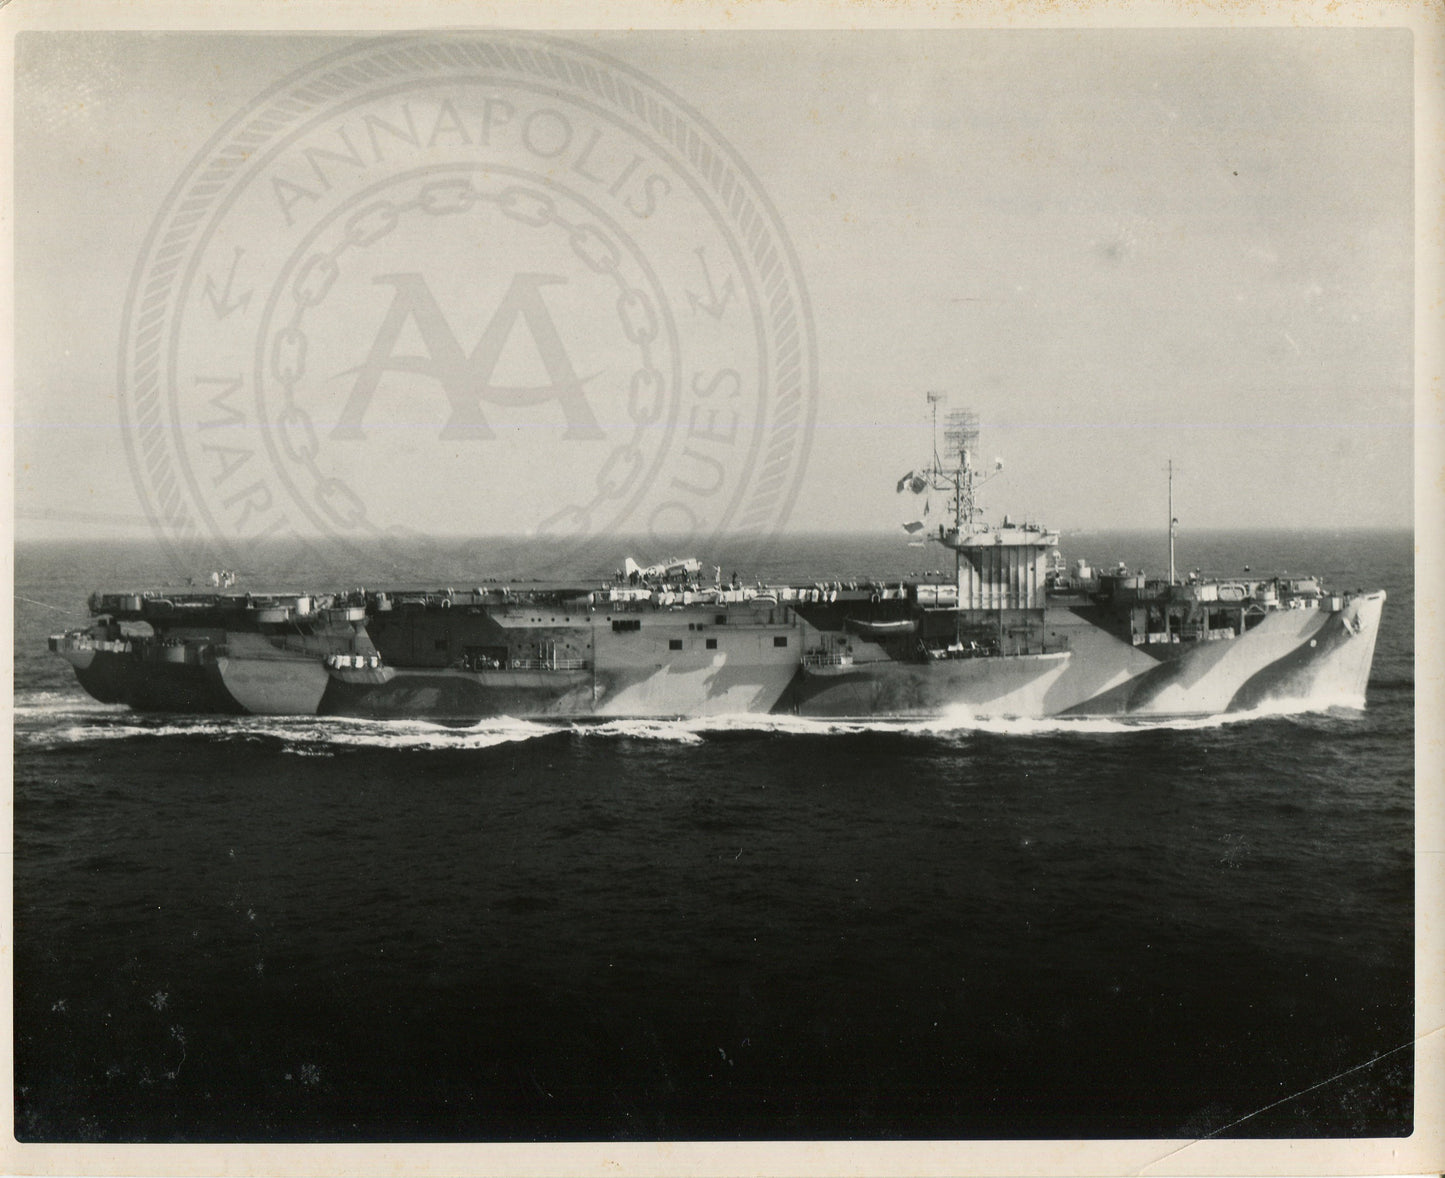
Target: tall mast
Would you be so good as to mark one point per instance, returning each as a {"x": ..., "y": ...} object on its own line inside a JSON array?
[
  {"x": 933, "y": 400},
  {"x": 1172, "y": 521},
  {"x": 960, "y": 435}
]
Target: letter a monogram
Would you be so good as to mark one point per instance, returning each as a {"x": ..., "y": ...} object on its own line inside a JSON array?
[{"x": 467, "y": 379}]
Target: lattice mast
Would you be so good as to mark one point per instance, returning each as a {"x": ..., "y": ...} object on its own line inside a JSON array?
[
  {"x": 954, "y": 469},
  {"x": 960, "y": 437}
]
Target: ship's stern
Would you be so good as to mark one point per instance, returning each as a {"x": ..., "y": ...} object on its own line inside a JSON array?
[{"x": 101, "y": 664}]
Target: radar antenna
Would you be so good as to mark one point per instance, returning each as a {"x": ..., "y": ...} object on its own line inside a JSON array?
[
  {"x": 934, "y": 401},
  {"x": 954, "y": 470},
  {"x": 960, "y": 435}
]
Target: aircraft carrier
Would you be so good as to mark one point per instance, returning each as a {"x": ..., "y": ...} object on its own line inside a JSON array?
[{"x": 1014, "y": 631}]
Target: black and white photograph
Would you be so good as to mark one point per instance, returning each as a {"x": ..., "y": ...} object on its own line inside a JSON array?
[{"x": 722, "y": 580}]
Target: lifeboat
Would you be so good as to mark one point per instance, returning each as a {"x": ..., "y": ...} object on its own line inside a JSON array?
[{"x": 890, "y": 629}]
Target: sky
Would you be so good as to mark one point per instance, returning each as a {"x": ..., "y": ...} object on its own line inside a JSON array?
[{"x": 1119, "y": 248}]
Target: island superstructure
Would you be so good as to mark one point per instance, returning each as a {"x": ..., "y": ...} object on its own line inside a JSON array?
[{"x": 1013, "y": 631}]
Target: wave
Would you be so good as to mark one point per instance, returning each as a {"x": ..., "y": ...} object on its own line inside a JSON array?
[
  {"x": 49, "y": 704},
  {"x": 303, "y": 736},
  {"x": 1393, "y": 683},
  {"x": 66, "y": 721}
]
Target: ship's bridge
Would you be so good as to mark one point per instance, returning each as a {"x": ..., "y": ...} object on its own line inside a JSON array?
[
  {"x": 1002, "y": 568},
  {"x": 1025, "y": 536}
]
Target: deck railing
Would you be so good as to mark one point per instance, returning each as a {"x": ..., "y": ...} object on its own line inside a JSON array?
[{"x": 547, "y": 664}]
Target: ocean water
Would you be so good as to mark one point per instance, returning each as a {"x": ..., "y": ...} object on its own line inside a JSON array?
[{"x": 289, "y": 930}]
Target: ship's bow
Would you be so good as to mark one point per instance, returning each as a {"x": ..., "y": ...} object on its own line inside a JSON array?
[
  {"x": 1348, "y": 671},
  {"x": 1331, "y": 668}
]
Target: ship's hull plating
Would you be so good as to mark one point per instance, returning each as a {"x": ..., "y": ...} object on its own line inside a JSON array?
[
  {"x": 226, "y": 686},
  {"x": 679, "y": 664}
]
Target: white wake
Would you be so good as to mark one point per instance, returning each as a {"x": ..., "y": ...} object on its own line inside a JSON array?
[{"x": 47, "y": 719}]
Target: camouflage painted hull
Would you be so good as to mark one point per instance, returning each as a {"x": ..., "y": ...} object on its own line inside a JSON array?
[
  {"x": 702, "y": 661},
  {"x": 1290, "y": 657}
]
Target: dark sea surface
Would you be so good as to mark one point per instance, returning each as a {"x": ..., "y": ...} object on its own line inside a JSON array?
[{"x": 282, "y": 930}]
